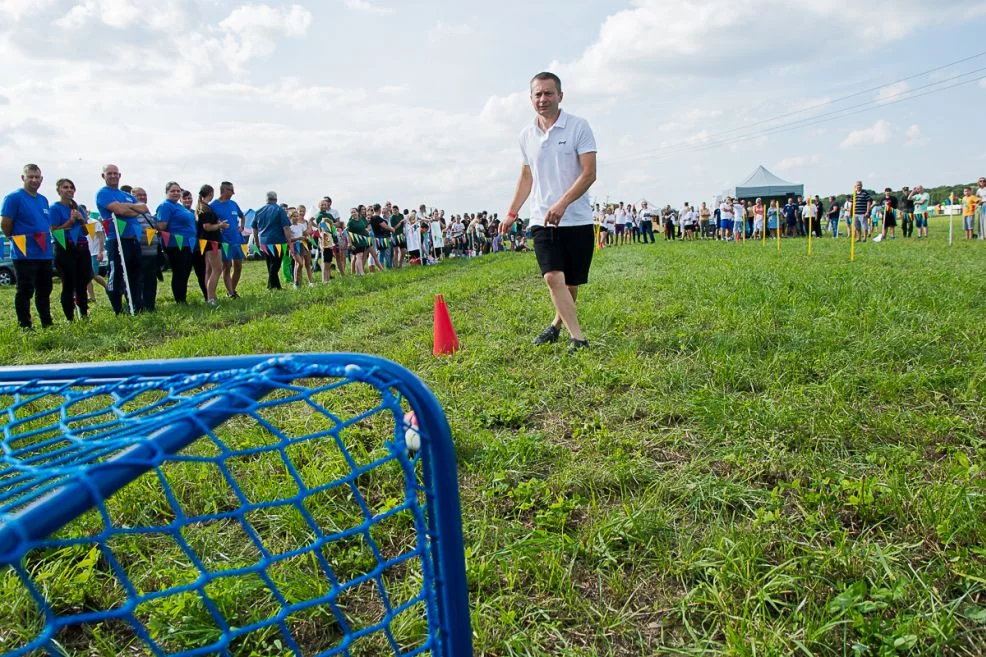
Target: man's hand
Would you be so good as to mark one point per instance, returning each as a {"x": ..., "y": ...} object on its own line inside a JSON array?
[
  {"x": 140, "y": 208},
  {"x": 555, "y": 213},
  {"x": 506, "y": 224}
]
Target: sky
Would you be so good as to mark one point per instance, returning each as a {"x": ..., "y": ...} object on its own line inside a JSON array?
[{"x": 423, "y": 102}]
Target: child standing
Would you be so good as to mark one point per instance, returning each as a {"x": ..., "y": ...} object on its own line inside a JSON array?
[{"x": 969, "y": 202}]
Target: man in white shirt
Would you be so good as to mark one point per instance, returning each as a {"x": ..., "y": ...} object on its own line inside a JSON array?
[
  {"x": 559, "y": 167},
  {"x": 739, "y": 220},
  {"x": 646, "y": 223},
  {"x": 726, "y": 219},
  {"x": 981, "y": 193}
]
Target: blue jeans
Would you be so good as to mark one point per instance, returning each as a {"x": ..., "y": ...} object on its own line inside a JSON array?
[{"x": 835, "y": 227}]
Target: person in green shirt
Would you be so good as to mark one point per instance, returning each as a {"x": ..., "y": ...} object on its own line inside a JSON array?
[
  {"x": 359, "y": 236},
  {"x": 397, "y": 222},
  {"x": 921, "y": 201}
]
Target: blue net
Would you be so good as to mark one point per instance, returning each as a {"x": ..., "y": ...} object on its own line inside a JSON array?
[{"x": 258, "y": 506}]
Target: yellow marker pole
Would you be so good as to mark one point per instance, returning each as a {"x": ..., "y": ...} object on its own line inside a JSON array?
[
  {"x": 852, "y": 222},
  {"x": 812, "y": 204},
  {"x": 595, "y": 232}
]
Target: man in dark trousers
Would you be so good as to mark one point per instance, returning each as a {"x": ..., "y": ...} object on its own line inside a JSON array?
[{"x": 273, "y": 232}]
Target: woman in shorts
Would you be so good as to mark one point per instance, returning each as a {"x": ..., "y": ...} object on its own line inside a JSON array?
[
  {"x": 300, "y": 252},
  {"x": 359, "y": 240},
  {"x": 327, "y": 244},
  {"x": 758, "y": 216},
  {"x": 209, "y": 228}
]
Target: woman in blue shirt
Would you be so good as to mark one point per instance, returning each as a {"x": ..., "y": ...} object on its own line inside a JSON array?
[
  {"x": 72, "y": 260},
  {"x": 179, "y": 222}
]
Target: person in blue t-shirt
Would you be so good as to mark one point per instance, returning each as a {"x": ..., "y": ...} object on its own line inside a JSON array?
[
  {"x": 791, "y": 217},
  {"x": 24, "y": 214},
  {"x": 72, "y": 260},
  {"x": 227, "y": 210},
  {"x": 179, "y": 223},
  {"x": 270, "y": 228},
  {"x": 123, "y": 250}
]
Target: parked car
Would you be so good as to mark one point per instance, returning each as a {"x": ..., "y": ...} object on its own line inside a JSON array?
[{"x": 7, "y": 272}]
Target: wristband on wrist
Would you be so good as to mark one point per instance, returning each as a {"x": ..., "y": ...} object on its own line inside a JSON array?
[{"x": 512, "y": 215}]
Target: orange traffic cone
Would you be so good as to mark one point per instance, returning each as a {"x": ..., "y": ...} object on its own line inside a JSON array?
[{"x": 446, "y": 341}]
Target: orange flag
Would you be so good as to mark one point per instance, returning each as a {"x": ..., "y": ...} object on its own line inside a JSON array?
[
  {"x": 202, "y": 246},
  {"x": 244, "y": 247},
  {"x": 21, "y": 242},
  {"x": 278, "y": 248},
  {"x": 150, "y": 235},
  {"x": 91, "y": 229}
]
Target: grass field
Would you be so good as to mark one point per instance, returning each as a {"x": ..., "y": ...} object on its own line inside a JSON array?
[{"x": 762, "y": 454}]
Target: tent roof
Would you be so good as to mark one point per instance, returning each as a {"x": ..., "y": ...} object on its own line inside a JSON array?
[
  {"x": 764, "y": 178},
  {"x": 763, "y": 183}
]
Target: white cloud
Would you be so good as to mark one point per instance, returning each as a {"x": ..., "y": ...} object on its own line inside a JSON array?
[
  {"x": 442, "y": 31},
  {"x": 164, "y": 15},
  {"x": 914, "y": 136},
  {"x": 892, "y": 92},
  {"x": 878, "y": 133},
  {"x": 368, "y": 7},
  {"x": 393, "y": 89},
  {"x": 797, "y": 162},
  {"x": 656, "y": 41}
]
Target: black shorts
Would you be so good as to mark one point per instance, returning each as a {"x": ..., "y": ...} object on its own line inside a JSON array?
[
  {"x": 890, "y": 221},
  {"x": 568, "y": 249}
]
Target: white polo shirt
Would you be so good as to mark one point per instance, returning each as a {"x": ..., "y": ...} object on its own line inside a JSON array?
[{"x": 553, "y": 157}]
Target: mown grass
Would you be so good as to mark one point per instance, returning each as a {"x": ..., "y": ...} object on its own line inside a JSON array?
[{"x": 762, "y": 454}]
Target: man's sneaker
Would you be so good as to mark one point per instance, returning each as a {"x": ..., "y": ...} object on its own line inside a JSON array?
[
  {"x": 577, "y": 345},
  {"x": 547, "y": 336}
]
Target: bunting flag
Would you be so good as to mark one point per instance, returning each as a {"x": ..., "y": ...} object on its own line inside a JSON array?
[
  {"x": 225, "y": 249},
  {"x": 106, "y": 226},
  {"x": 59, "y": 236},
  {"x": 166, "y": 236},
  {"x": 180, "y": 240},
  {"x": 150, "y": 235},
  {"x": 91, "y": 229},
  {"x": 245, "y": 249},
  {"x": 21, "y": 242},
  {"x": 277, "y": 247},
  {"x": 121, "y": 226},
  {"x": 214, "y": 244},
  {"x": 202, "y": 246},
  {"x": 94, "y": 215},
  {"x": 42, "y": 240}
]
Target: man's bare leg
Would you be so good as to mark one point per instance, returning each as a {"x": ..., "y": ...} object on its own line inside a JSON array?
[{"x": 563, "y": 297}]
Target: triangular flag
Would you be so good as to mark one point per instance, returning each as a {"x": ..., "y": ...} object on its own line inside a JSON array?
[
  {"x": 202, "y": 246},
  {"x": 225, "y": 249},
  {"x": 121, "y": 226},
  {"x": 180, "y": 240},
  {"x": 42, "y": 240},
  {"x": 106, "y": 226},
  {"x": 166, "y": 236},
  {"x": 214, "y": 244},
  {"x": 21, "y": 242},
  {"x": 150, "y": 235},
  {"x": 277, "y": 247},
  {"x": 91, "y": 229},
  {"x": 245, "y": 249},
  {"x": 59, "y": 236}
]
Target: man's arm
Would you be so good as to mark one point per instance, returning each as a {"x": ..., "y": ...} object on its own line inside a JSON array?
[
  {"x": 524, "y": 184},
  {"x": 7, "y": 226},
  {"x": 576, "y": 191},
  {"x": 121, "y": 209}
]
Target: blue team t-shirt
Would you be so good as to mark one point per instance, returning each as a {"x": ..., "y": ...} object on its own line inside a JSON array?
[
  {"x": 229, "y": 212},
  {"x": 104, "y": 197},
  {"x": 58, "y": 214},
  {"x": 790, "y": 212},
  {"x": 180, "y": 220},
  {"x": 269, "y": 223},
  {"x": 30, "y": 215}
]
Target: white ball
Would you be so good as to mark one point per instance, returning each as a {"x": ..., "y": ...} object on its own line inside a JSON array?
[{"x": 412, "y": 439}]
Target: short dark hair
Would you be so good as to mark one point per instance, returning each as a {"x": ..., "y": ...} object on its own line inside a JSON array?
[
  {"x": 546, "y": 75},
  {"x": 225, "y": 185},
  {"x": 376, "y": 207},
  {"x": 887, "y": 189},
  {"x": 30, "y": 167},
  {"x": 185, "y": 193},
  {"x": 126, "y": 189}
]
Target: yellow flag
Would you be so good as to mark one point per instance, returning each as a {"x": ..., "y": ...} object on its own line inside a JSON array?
[
  {"x": 91, "y": 229},
  {"x": 150, "y": 235},
  {"x": 202, "y": 246},
  {"x": 21, "y": 242},
  {"x": 244, "y": 247},
  {"x": 277, "y": 247}
]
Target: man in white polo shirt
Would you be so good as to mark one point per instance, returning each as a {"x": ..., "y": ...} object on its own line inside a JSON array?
[{"x": 559, "y": 153}]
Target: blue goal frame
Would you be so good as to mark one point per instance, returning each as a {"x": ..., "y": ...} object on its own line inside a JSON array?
[{"x": 26, "y": 527}]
